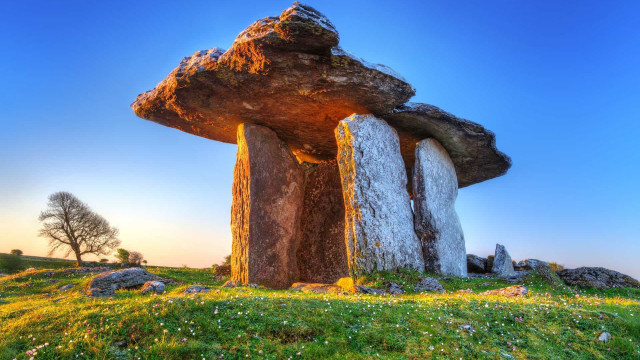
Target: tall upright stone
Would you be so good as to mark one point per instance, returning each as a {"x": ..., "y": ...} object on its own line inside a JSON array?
[
  {"x": 435, "y": 189},
  {"x": 322, "y": 254},
  {"x": 502, "y": 264},
  {"x": 265, "y": 214},
  {"x": 378, "y": 219}
]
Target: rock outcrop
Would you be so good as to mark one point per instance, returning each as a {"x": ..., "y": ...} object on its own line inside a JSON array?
[
  {"x": 435, "y": 189},
  {"x": 105, "y": 284},
  {"x": 265, "y": 216},
  {"x": 429, "y": 284},
  {"x": 322, "y": 254},
  {"x": 502, "y": 265},
  {"x": 597, "y": 278},
  {"x": 477, "y": 264},
  {"x": 289, "y": 74},
  {"x": 378, "y": 217},
  {"x": 541, "y": 268},
  {"x": 156, "y": 287}
]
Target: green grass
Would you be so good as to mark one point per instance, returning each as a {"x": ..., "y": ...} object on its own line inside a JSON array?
[{"x": 549, "y": 323}]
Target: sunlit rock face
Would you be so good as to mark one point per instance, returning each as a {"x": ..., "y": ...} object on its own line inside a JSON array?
[
  {"x": 322, "y": 256},
  {"x": 435, "y": 189},
  {"x": 289, "y": 74},
  {"x": 268, "y": 189},
  {"x": 284, "y": 72},
  {"x": 379, "y": 222}
]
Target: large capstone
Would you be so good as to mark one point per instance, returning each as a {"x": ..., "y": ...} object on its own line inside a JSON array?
[
  {"x": 268, "y": 189},
  {"x": 288, "y": 73},
  {"x": 378, "y": 218},
  {"x": 322, "y": 254},
  {"x": 502, "y": 264},
  {"x": 435, "y": 189}
]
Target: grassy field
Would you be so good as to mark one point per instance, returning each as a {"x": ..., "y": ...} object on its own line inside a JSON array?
[{"x": 240, "y": 323}]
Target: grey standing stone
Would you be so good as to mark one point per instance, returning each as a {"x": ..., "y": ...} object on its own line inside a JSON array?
[
  {"x": 268, "y": 190},
  {"x": 502, "y": 265},
  {"x": 435, "y": 189},
  {"x": 378, "y": 218}
]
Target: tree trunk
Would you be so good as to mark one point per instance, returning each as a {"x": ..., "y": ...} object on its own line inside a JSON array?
[{"x": 78, "y": 258}]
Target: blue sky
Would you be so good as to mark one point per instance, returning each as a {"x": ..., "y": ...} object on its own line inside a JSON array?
[{"x": 558, "y": 82}]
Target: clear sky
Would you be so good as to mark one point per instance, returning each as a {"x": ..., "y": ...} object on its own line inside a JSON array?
[{"x": 557, "y": 81}]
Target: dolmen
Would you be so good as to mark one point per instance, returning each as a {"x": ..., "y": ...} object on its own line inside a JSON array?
[{"x": 330, "y": 155}]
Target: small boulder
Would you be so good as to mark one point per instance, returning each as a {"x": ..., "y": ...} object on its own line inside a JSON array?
[
  {"x": 511, "y": 291},
  {"x": 195, "y": 289},
  {"x": 361, "y": 289},
  {"x": 597, "y": 278},
  {"x": 105, "y": 284},
  {"x": 66, "y": 287},
  {"x": 317, "y": 288},
  {"x": 604, "y": 337},
  {"x": 476, "y": 264},
  {"x": 429, "y": 284},
  {"x": 153, "y": 287},
  {"x": 395, "y": 289},
  {"x": 541, "y": 268},
  {"x": 502, "y": 265},
  {"x": 467, "y": 327}
]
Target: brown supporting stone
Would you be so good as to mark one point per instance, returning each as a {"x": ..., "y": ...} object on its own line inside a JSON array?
[
  {"x": 322, "y": 254},
  {"x": 265, "y": 214}
]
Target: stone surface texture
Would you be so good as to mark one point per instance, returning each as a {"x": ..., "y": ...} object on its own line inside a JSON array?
[
  {"x": 378, "y": 219},
  {"x": 105, "y": 284},
  {"x": 429, "y": 284},
  {"x": 322, "y": 254},
  {"x": 476, "y": 264},
  {"x": 268, "y": 190},
  {"x": 288, "y": 73},
  {"x": 435, "y": 189},
  {"x": 361, "y": 289},
  {"x": 156, "y": 287},
  {"x": 502, "y": 265},
  {"x": 597, "y": 278}
]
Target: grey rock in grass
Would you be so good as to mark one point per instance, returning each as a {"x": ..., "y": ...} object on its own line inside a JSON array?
[
  {"x": 361, "y": 289},
  {"x": 66, "y": 287},
  {"x": 378, "y": 217},
  {"x": 435, "y": 189},
  {"x": 604, "y": 337},
  {"x": 476, "y": 264},
  {"x": 541, "y": 268},
  {"x": 153, "y": 287},
  {"x": 105, "y": 284},
  {"x": 394, "y": 289},
  {"x": 429, "y": 284},
  {"x": 196, "y": 289},
  {"x": 502, "y": 265},
  {"x": 597, "y": 278}
]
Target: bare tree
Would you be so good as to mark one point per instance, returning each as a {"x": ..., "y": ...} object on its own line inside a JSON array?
[
  {"x": 72, "y": 226},
  {"x": 135, "y": 258}
]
